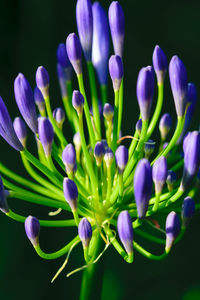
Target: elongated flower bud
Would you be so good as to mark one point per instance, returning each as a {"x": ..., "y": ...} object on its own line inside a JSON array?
[
  {"x": 121, "y": 157},
  {"x": 42, "y": 81},
  {"x": 6, "y": 128},
  {"x": 77, "y": 141},
  {"x": 20, "y": 130},
  {"x": 108, "y": 112},
  {"x": 117, "y": 26},
  {"x": 39, "y": 100},
  {"x": 171, "y": 179},
  {"x": 116, "y": 71},
  {"x": 178, "y": 81},
  {"x": 46, "y": 134},
  {"x": 3, "y": 199},
  {"x": 59, "y": 116},
  {"x": 25, "y": 101},
  {"x": 62, "y": 57},
  {"x": 32, "y": 229},
  {"x": 188, "y": 210},
  {"x": 165, "y": 125},
  {"x": 70, "y": 193},
  {"x": 159, "y": 64},
  {"x": 173, "y": 227},
  {"x": 159, "y": 173},
  {"x": 142, "y": 186},
  {"x": 125, "y": 230},
  {"x": 191, "y": 148},
  {"x": 145, "y": 90},
  {"x": 149, "y": 148},
  {"x": 78, "y": 102},
  {"x": 84, "y": 22},
  {"x": 192, "y": 93},
  {"x": 74, "y": 53},
  {"x": 69, "y": 158},
  {"x": 85, "y": 232},
  {"x": 138, "y": 126},
  {"x": 108, "y": 157},
  {"x": 100, "y": 44},
  {"x": 99, "y": 151}
]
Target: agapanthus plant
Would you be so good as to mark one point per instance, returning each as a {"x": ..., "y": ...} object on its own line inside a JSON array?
[{"x": 114, "y": 193}]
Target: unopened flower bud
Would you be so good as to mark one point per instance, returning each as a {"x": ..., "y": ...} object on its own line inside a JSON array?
[
  {"x": 108, "y": 157},
  {"x": 138, "y": 126},
  {"x": 74, "y": 53},
  {"x": 42, "y": 81},
  {"x": 99, "y": 151},
  {"x": 145, "y": 90},
  {"x": 3, "y": 198},
  {"x": 125, "y": 230},
  {"x": 121, "y": 157},
  {"x": 165, "y": 125},
  {"x": 62, "y": 57},
  {"x": 159, "y": 64},
  {"x": 70, "y": 193},
  {"x": 188, "y": 210},
  {"x": 32, "y": 228},
  {"x": 116, "y": 71},
  {"x": 171, "y": 179},
  {"x": 20, "y": 130},
  {"x": 149, "y": 148},
  {"x": 108, "y": 112},
  {"x": 85, "y": 232},
  {"x": 142, "y": 186},
  {"x": 159, "y": 173},
  {"x": 46, "y": 134},
  {"x": 69, "y": 158},
  {"x": 78, "y": 102},
  {"x": 173, "y": 227},
  {"x": 59, "y": 116},
  {"x": 39, "y": 100}
]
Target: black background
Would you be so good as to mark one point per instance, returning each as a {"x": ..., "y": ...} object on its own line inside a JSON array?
[{"x": 29, "y": 34}]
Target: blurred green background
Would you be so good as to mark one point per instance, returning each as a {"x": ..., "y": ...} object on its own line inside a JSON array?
[{"x": 29, "y": 34}]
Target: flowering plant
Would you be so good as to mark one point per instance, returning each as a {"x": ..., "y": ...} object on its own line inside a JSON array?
[{"x": 106, "y": 196}]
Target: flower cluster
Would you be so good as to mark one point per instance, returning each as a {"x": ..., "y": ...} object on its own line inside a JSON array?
[{"x": 114, "y": 193}]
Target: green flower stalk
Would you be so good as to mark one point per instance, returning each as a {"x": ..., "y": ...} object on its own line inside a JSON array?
[{"x": 111, "y": 201}]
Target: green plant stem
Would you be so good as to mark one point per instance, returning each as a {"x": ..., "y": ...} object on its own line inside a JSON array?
[
  {"x": 121, "y": 94},
  {"x": 115, "y": 122},
  {"x": 58, "y": 253},
  {"x": 157, "y": 111},
  {"x": 53, "y": 122},
  {"x": 148, "y": 254},
  {"x": 121, "y": 188},
  {"x": 104, "y": 93},
  {"x": 95, "y": 105},
  {"x": 156, "y": 204},
  {"x": 86, "y": 110},
  {"x": 109, "y": 184},
  {"x": 133, "y": 144},
  {"x": 44, "y": 223}
]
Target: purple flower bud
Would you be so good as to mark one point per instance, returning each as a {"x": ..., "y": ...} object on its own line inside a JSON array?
[
  {"x": 3, "y": 199},
  {"x": 159, "y": 173},
  {"x": 42, "y": 81},
  {"x": 178, "y": 81},
  {"x": 74, "y": 53},
  {"x": 117, "y": 26},
  {"x": 85, "y": 232},
  {"x": 84, "y": 22},
  {"x": 138, "y": 126},
  {"x": 173, "y": 227},
  {"x": 25, "y": 101},
  {"x": 46, "y": 134},
  {"x": 125, "y": 230},
  {"x": 20, "y": 130},
  {"x": 69, "y": 158},
  {"x": 78, "y": 102},
  {"x": 121, "y": 157},
  {"x": 191, "y": 93},
  {"x": 145, "y": 89},
  {"x": 108, "y": 157},
  {"x": 149, "y": 148},
  {"x": 108, "y": 112},
  {"x": 32, "y": 228},
  {"x": 105, "y": 144},
  {"x": 100, "y": 44},
  {"x": 99, "y": 151},
  {"x": 191, "y": 148},
  {"x": 77, "y": 141},
  {"x": 160, "y": 64},
  {"x": 116, "y": 71},
  {"x": 70, "y": 193},
  {"x": 62, "y": 57},
  {"x": 142, "y": 186},
  {"x": 59, "y": 116},
  {"x": 39, "y": 100},
  {"x": 171, "y": 179},
  {"x": 6, "y": 128},
  {"x": 188, "y": 210},
  {"x": 165, "y": 125}
]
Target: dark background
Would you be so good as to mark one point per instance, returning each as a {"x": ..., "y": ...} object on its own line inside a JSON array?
[{"x": 29, "y": 34}]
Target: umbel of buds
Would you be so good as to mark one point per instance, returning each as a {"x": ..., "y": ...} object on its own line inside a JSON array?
[{"x": 108, "y": 183}]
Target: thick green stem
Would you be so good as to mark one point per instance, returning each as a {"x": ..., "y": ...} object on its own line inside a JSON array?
[
  {"x": 104, "y": 93},
  {"x": 115, "y": 123},
  {"x": 121, "y": 94}
]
